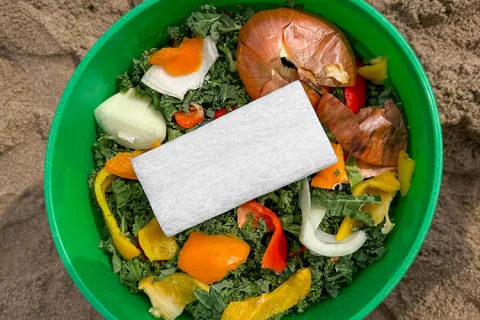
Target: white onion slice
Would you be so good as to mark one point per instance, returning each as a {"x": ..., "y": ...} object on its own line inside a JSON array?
[
  {"x": 177, "y": 86},
  {"x": 318, "y": 241},
  {"x": 130, "y": 120}
]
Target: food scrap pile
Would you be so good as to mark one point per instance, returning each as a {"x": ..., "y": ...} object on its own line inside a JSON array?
[{"x": 285, "y": 250}]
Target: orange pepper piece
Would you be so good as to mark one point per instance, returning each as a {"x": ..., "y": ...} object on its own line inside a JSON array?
[
  {"x": 328, "y": 178},
  {"x": 195, "y": 116},
  {"x": 185, "y": 59},
  {"x": 209, "y": 258},
  {"x": 121, "y": 166}
]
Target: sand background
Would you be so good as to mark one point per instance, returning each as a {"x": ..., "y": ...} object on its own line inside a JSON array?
[{"x": 41, "y": 43}]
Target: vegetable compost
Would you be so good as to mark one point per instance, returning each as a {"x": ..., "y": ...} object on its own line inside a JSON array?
[{"x": 285, "y": 250}]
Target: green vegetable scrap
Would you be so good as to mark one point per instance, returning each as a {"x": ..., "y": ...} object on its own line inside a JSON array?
[
  {"x": 341, "y": 204},
  {"x": 353, "y": 172}
]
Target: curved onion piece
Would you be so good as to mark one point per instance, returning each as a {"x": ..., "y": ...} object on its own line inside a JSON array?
[
  {"x": 318, "y": 241},
  {"x": 369, "y": 171},
  {"x": 375, "y": 135},
  {"x": 320, "y": 52}
]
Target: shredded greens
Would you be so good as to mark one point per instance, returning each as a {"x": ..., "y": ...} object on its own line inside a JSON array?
[
  {"x": 224, "y": 89},
  {"x": 249, "y": 280}
]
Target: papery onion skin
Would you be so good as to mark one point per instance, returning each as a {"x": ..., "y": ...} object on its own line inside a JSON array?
[
  {"x": 369, "y": 171},
  {"x": 375, "y": 135},
  {"x": 306, "y": 40}
]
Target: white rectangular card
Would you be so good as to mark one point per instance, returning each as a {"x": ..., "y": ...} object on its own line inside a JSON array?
[{"x": 258, "y": 148}]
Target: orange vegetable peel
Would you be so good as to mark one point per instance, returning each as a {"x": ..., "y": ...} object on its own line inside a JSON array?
[
  {"x": 121, "y": 164},
  {"x": 189, "y": 120},
  {"x": 208, "y": 258},
  {"x": 185, "y": 59},
  {"x": 334, "y": 175}
]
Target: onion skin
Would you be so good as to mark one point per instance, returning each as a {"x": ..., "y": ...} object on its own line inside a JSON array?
[
  {"x": 307, "y": 41},
  {"x": 375, "y": 135}
]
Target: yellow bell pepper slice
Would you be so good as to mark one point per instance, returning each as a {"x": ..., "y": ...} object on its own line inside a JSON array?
[
  {"x": 346, "y": 228},
  {"x": 170, "y": 295},
  {"x": 406, "y": 167},
  {"x": 122, "y": 243},
  {"x": 379, "y": 211},
  {"x": 156, "y": 144},
  {"x": 265, "y": 306},
  {"x": 376, "y": 72},
  {"x": 155, "y": 244},
  {"x": 386, "y": 185},
  {"x": 334, "y": 175},
  {"x": 386, "y": 182}
]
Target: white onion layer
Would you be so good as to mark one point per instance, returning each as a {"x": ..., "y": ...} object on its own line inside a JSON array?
[
  {"x": 318, "y": 241},
  {"x": 130, "y": 120},
  {"x": 177, "y": 86}
]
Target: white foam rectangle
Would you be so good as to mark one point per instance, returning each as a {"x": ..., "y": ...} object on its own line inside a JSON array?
[{"x": 258, "y": 148}]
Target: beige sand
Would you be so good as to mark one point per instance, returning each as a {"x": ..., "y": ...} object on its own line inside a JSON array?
[{"x": 42, "y": 41}]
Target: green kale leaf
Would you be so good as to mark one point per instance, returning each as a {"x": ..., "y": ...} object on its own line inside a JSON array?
[
  {"x": 341, "y": 204},
  {"x": 339, "y": 94},
  {"x": 353, "y": 172}
]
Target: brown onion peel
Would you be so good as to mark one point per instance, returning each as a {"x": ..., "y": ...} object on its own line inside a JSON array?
[
  {"x": 375, "y": 135},
  {"x": 320, "y": 52},
  {"x": 369, "y": 171}
]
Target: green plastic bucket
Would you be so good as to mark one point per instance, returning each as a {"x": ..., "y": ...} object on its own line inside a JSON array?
[{"x": 76, "y": 227}]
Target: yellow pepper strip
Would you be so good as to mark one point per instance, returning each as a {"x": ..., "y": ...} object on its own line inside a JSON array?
[
  {"x": 330, "y": 177},
  {"x": 122, "y": 243},
  {"x": 386, "y": 182},
  {"x": 386, "y": 185},
  {"x": 156, "y": 144},
  {"x": 346, "y": 228},
  {"x": 379, "y": 211},
  {"x": 376, "y": 72},
  {"x": 155, "y": 244},
  {"x": 170, "y": 295},
  {"x": 265, "y": 306},
  {"x": 405, "y": 169}
]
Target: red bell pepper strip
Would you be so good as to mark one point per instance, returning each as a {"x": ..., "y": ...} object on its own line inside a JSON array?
[
  {"x": 257, "y": 210},
  {"x": 292, "y": 254},
  {"x": 195, "y": 116},
  {"x": 275, "y": 256},
  {"x": 356, "y": 96},
  {"x": 222, "y": 112}
]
